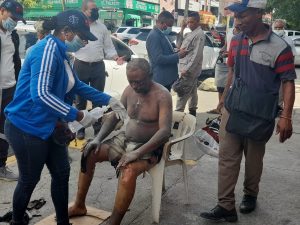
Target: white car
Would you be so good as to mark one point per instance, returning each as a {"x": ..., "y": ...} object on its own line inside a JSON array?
[
  {"x": 292, "y": 33},
  {"x": 126, "y": 33},
  {"x": 116, "y": 80},
  {"x": 297, "y": 46},
  {"x": 210, "y": 52}
]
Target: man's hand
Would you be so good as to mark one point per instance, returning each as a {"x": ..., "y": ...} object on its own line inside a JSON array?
[
  {"x": 120, "y": 60},
  {"x": 183, "y": 24},
  {"x": 182, "y": 53},
  {"x": 128, "y": 158},
  {"x": 284, "y": 129},
  {"x": 221, "y": 104},
  {"x": 90, "y": 146}
]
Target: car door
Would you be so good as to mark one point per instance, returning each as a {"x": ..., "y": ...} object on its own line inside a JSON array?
[{"x": 210, "y": 55}]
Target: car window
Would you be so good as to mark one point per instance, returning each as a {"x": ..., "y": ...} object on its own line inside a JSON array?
[
  {"x": 297, "y": 33},
  {"x": 297, "y": 42},
  {"x": 134, "y": 31},
  {"x": 27, "y": 39},
  {"x": 121, "y": 29},
  {"x": 290, "y": 33},
  {"x": 142, "y": 36},
  {"x": 122, "y": 49}
]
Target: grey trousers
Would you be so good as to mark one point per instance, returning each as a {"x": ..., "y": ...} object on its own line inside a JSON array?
[
  {"x": 191, "y": 98},
  {"x": 232, "y": 148}
]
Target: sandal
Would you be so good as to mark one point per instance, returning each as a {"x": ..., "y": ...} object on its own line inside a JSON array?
[{"x": 36, "y": 204}]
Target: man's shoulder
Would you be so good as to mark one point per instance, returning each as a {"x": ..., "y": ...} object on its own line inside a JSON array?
[{"x": 160, "y": 90}]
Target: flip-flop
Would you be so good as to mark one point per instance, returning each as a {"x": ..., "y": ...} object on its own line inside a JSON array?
[
  {"x": 36, "y": 204},
  {"x": 213, "y": 111}
]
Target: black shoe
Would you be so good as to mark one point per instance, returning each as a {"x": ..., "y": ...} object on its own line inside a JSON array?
[
  {"x": 81, "y": 134},
  {"x": 248, "y": 204},
  {"x": 193, "y": 112},
  {"x": 220, "y": 214}
]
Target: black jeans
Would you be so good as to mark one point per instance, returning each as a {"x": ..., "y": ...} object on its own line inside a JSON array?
[
  {"x": 7, "y": 96},
  {"x": 32, "y": 154}
]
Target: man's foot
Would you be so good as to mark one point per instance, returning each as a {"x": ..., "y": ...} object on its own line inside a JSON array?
[
  {"x": 76, "y": 211},
  {"x": 220, "y": 214},
  {"x": 7, "y": 174},
  {"x": 81, "y": 134},
  {"x": 248, "y": 204},
  {"x": 214, "y": 111},
  {"x": 193, "y": 112}
]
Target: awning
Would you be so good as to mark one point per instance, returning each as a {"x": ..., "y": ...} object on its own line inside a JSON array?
[{"x": 40, "y": 13}]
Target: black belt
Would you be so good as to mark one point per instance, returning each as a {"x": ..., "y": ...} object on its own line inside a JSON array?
[{"x": 90, "y": 63}]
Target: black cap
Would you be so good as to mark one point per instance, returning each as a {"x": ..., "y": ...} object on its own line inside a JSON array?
[
  {"x": 77, "y": 21},
  {"x": 15, "y": 8}
]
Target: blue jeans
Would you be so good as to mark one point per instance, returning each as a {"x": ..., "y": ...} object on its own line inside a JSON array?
[{"x": 32, "y": 154}]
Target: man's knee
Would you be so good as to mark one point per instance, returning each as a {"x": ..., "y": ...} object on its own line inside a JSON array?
[{"x": 129, "y": 174}]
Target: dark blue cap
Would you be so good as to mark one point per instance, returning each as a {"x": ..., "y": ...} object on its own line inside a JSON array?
[{"x": 15, "y": 8}]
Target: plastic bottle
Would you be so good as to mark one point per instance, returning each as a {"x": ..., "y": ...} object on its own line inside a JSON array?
[{"x": 96, "y": 112}]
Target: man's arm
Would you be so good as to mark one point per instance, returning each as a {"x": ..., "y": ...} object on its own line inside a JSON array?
[
  {"x": 284, "y": 125},
  {"x": 227, "y": 87}
]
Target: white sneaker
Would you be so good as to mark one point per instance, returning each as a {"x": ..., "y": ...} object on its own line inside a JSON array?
[{"x": 7, "y": 175}]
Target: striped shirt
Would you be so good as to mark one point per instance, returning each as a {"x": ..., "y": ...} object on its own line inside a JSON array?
[{"x": 263, "y": 64}]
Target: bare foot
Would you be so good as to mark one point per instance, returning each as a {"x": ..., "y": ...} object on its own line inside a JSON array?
[{"x": 76, "y": 211}]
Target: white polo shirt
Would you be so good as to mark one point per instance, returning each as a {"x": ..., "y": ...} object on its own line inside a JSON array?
[
  {"x": 7, "y": 70},
  {"x": 100, "y": 49}
]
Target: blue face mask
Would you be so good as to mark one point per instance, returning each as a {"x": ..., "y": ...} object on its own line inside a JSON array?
[
  {"x": 167, "y": 31},
  {"x": 75, "y": 44},
  {"x": 9, "y": 24}
]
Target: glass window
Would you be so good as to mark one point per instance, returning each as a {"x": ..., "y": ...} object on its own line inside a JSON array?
[
  {"x": 142, "y": 36},
  {"x": 122, "y": 49},
  {"x": 297, "y": 33},
  {"x": 290, "y": 33},
  {"x": 27, "y": 39},
  {"x": 134, "y": 31},
  {"x": 121, "y": 30}
]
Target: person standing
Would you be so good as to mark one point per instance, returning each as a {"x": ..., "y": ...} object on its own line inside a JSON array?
[
  {"x": 163, "y": 58},
  {"x": 88, "y": 63},
  {"x": 263, "y": 61},
  {"x": 279, "y": 29},
  {"x": 190, "y": 66},
  {"x": 42, "y": 104},
  {"x": 10, "y": 65}
]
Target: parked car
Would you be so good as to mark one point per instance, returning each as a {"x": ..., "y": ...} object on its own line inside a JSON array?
[
  {"x": 116, "y": 80},
  {"x": 126, "y": 33},
  {"x": 210, "y": 52},
  {"x": 297, "y": 46},
  {"x": 292, "y": 33}
]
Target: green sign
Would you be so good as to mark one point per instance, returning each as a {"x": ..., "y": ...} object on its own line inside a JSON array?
[
  {"x": 113, "y": 4},
  {"x": 111, "y": 15},
  {"x": 142, "y": 6}
]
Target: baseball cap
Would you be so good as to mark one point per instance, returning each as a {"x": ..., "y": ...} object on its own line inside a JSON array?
[
  {"x": 243, "y": 5},
  {"x": 77, "y": 21},
  {"x": 15, "y": 8}
]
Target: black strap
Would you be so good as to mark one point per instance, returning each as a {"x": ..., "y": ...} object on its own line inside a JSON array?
[{"x": 238, "y": 57}]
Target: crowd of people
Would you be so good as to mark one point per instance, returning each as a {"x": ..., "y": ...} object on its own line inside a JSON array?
[{"x": 49, "y": 91}]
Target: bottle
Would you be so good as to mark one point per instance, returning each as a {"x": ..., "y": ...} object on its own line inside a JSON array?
[{"x": 96, "y": 112}]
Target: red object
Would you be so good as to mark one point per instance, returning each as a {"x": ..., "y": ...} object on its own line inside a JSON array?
[{"x": 133, "y": 42}]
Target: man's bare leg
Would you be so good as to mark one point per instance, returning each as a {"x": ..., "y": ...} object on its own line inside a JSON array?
[
  {"x": 126, "y": 188},
  {"x": 85, "y": 179}
]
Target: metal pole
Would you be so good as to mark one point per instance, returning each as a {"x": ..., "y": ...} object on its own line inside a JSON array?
[{"x": 186, "y": 8}]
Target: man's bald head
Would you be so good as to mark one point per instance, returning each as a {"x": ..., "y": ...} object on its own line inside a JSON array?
[{"x": 139, "y": 64}]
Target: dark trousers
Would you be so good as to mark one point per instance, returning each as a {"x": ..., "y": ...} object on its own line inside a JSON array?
[
  {"x": 32, "y": 154},
  {"x": 7, "y": 96},
  {"x": 94, "y": 75}
]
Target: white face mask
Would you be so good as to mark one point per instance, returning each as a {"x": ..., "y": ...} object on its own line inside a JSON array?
[
  {"x": 280, "y": 33},
  {"x": 9, "y": 24}
]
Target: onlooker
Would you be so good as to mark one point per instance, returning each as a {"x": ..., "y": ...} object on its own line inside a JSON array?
[
  {"x": 137, "y": 148},
  {"x": 88, "y": 63},
  {"x": 42, "y": 104},
  {"x": 163, "y": 58},
  {"x": 10, "y": 65},
  {"x": 190, "y": 66},
  {"x": 279, "y": 29},
  {"x": 262, "y": 77}
]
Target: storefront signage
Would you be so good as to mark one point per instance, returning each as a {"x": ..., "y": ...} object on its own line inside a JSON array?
[
  {"x": 152, "y": 1},
  {"x": 116, "y": 4},
  {"x": 193, "y": 6},
  {"x": 142, "y": 6}
]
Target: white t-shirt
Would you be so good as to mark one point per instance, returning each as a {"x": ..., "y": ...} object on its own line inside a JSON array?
[{"x": 7, "y": 70}]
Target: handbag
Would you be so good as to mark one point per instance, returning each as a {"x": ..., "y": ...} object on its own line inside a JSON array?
[
  {"x": 252, "y": 112},
  {"x": 62, "y": 135}
]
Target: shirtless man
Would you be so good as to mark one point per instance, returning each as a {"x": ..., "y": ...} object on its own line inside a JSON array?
[{"x": 138, "y": 148}]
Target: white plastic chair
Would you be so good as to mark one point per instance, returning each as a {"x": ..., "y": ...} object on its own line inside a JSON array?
[{"x": 183, "y": 127}]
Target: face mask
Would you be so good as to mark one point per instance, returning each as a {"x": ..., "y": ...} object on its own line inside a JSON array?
[
  {"x": 280, "y": 33},
  {"x": 9, "y": 24},
  {"x": 74, "y": 45},
  {"x": 94, "y": 14},
  {"x": 167, "y": 31}
]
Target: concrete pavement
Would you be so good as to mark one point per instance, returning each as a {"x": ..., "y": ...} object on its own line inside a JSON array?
[{"x": 278, "y": 201}]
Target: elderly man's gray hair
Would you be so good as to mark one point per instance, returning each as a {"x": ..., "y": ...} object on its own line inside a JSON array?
[
  {"x": 141, "y": 64},
  {"x": 280, "y": 21}
]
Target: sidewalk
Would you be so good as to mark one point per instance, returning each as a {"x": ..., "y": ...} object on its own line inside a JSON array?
[{"x": 278, "y": 201}]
